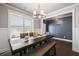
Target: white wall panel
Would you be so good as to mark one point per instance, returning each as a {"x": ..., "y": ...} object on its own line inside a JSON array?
[{"x": 4, "y": 46}]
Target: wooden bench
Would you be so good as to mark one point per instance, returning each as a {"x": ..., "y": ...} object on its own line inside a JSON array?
[{"x": 43, "y": 50}]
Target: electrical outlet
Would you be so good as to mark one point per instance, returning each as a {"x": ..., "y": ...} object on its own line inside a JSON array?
[{"x": 64, "y": 36}]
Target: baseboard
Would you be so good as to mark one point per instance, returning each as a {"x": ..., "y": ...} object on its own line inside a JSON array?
[{"x": 67, "y": 40}]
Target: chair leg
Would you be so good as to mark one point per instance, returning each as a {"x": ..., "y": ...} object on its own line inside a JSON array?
[
  {"x": 12, "y": 54},
  {"x": 24, "y": 51},
  {"x": 20, "y": 53}
]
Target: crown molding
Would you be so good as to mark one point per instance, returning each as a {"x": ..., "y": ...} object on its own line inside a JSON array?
[
  {"x": 62, "y": 11},
  {"x": 17, "y": 9}
]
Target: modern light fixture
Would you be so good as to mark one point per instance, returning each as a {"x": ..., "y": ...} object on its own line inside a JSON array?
[{"x": 38, "y": 13}]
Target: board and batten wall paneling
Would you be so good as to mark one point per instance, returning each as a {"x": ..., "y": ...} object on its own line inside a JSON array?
[
  {"x": 4, "y": 40},
  {"x": 75, "y": 45},
  {"x": 4, "y": 46}
]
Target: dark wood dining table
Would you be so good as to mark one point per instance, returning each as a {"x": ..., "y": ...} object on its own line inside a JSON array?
[{"x": 20, "y": 45}]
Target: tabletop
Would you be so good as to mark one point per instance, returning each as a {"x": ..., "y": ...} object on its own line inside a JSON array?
[{"x": 19, "y": 43}]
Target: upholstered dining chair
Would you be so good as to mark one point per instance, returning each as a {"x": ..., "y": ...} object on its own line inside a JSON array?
[{"x": 22, "y": 35}]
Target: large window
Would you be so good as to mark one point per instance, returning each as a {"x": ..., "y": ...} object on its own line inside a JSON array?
[
  {"x": 27, "y": 25},
  {"x": 19, "y": 24}
]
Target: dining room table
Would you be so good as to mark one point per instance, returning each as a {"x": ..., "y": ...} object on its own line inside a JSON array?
[{"x": 21, "y": 44}]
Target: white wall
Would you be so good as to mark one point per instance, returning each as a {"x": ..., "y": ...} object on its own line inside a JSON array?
[
  {"x": 3, "y": 29},
  {"x": 3, "y": 17},
  {"x": 75, "y": 45}
]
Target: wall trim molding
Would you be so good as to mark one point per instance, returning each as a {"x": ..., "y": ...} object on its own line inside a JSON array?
[
  {"x": 4, "y": 50},
  {"x": 62, "y": 39},
  {"x": 61, "y": 10}
]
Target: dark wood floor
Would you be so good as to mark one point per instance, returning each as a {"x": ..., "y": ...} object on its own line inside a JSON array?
[{"x": 64, "y": 49}]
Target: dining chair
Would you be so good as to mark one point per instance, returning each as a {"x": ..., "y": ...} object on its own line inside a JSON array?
[{"x": 22, "y": 35}]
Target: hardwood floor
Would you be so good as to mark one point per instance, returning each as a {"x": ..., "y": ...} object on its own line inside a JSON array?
[{"x": 64, "y": 49}]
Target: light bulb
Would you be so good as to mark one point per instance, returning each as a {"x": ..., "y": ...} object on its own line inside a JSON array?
[
  {"x": 39, "y": 16},
  {"x": 34, "y": 12},
  {"x": 42, "y": 12}
]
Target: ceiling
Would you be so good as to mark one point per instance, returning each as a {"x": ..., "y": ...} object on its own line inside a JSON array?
[{"x": 47, "y": 7}]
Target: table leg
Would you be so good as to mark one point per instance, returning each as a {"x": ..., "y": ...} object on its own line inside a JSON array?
[{"x": 54, "y": 50}]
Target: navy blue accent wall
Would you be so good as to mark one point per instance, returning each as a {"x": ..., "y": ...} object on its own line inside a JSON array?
[{"x": 60, "y": 29}]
